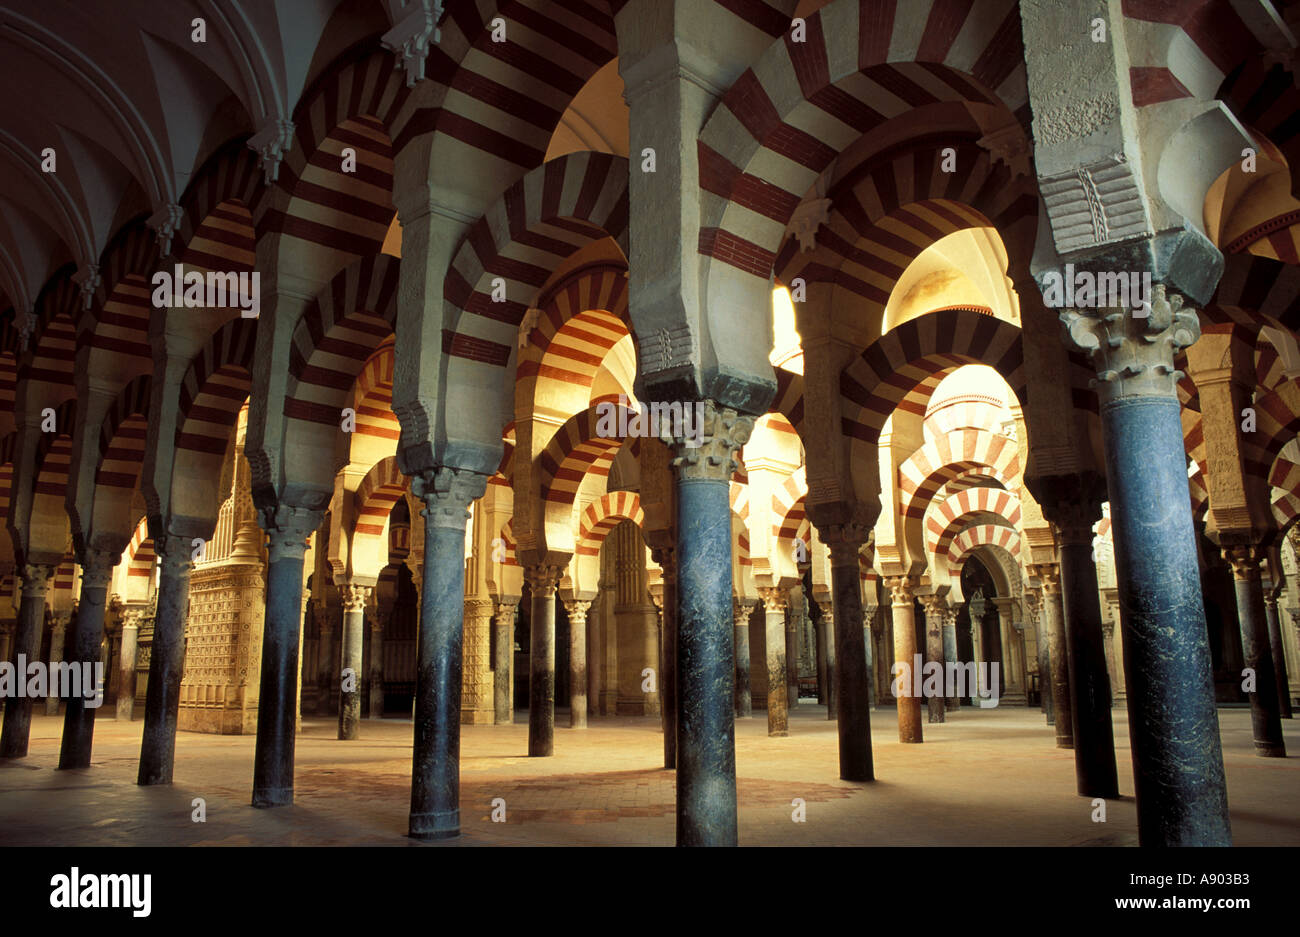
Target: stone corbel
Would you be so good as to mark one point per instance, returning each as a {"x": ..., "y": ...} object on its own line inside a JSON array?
[
  {"x": 166, "y": 221},
  {"x": 1008, "y": 145},
  {"x": 270, "y": 144},
  {"x": 411, "y": 37},
  {"x": 89, "y": 279}
]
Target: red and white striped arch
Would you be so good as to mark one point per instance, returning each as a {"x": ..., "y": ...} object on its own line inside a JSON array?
[
  {"x": 945, "y": 458},
  {"x": 983, "y": 535},
  {"x": 787, "y": 117},
  {"x": 603, "y": 515},
  {"x": 383, "y": 486},
  {"x": 577, "y": 450},
  {"x": 972, "y": 504},
  {"x": 216, "y": 230}
]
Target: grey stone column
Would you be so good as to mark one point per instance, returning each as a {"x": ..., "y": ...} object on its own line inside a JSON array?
[
  {"x": 667, "y": 560},
  {"x": 909, "y": 706},
  {"x": 744, "y": 700},
  {"x": 126, "y": 677},
  {"x": 376, "y": 667},
  {"x": 1265, "y": 713},
  {"x": 503, "y": 663},
  {"x": 949, "y": 641},
  {"x": 435, "y": 770},
  {"x": 355, "y": 597},
  {"x": 58, "y": 635},
  {"x": 828, "y": 646},
  {"x": 778, "y": 698},
  {"x": 1174, "y": 727},
  {"x": 577, "y": 610},
  {"x": 326, "y": 676},
  {"x": 935, "y": 609},
  {"x": 706, "y": 736},
  {"x": 27, "y": 643},
  {"x": 542, "y": 581},
  {"x": 87, "y": 638},
  {"x": 793, "y": 618},
  {"x": 287, "y": 529},
  {"x": 1034, "y": 604},
  {"x": 1278, "y": 651},
  {"x": 166, "y": 659},
  {"x": 869, "y": 613},
  {"x": 1057, "y": 654},
  {"x": 819, "y": 639}
]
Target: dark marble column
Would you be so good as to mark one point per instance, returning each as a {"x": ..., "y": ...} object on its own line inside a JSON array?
[
  {"x": 793, "y": 618},
  {"x": 58, "y": 636},
  {"x": 778, "y": 698},
  {"x": 819, "y": 638},
  {"x": 435, "y": 769},
  {"x": 542, "y": 581},
  {"x": 1265, "y": 712},
  {"x": 706, "y": 740},
  {"x": 1277, "y": 650},
  {"x": 1034, "y": 605},
  {"x": 79, "y": 718},
  {"x": 577, "y": 610},
  {"x": 868, "y": 644},
  {"x": 27, "y": 642},
  {"x": 376, "y": 676},
  {"x": 935, "y": 607},
  {"x": 828, "y": 642},
  {"x": 1094, "y": 741},
  {"x": 166, "y": 659},
  {"x": 744, "y": 701},
  {"x": 503, "y": 689},
  {"x": 126, "y": 680},
  {"x": 1057, "y": 656},
  {"x": 852, "y": 681},
  {"x": 667, "y": 560},
  {"x": 287, "y": 529},
  {"x": 355, "y": 597},
  {"x": 909, "y": 704},
  {"x": 1177, "y": 757},
  {"x": 326, "y": 677}
]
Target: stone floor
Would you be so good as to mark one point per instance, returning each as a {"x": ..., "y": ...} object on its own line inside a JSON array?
[{"x": 985, "y": 777}]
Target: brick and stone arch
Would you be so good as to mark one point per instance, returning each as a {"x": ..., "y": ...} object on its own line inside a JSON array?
[
  {"x": 139, "y": 559},
  {"x": 970, "y": 505},
  {"x": 216, "y": 228},
  {"x": 575, "y": 453},
  {"x": 120, "y": 450},
  {"x": 47, "y": 525},
  {"x": 383, "y": 486},
  {"x": 974, "y": 538},
  {"x": 595, "y": 522}
]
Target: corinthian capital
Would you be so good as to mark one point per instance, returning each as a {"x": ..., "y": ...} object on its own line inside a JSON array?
[
  {"x": 355, "y": 596},
  {"x": 543, "y": 580},
  {"x": 1244, "y": 560},
  {"x": 447, "y": 493},
  {"x": 36, "y": 580},
  {"x": 709, "y": 453},
  {"x": 1134, "y": 354},
  {"x": 901, "y": 589},
  {"x": 97, "y": 568},
  {"x": 1050, "y": 576},
  {"x": 287, "y": 529},
  {"x": 774, "y": 599}
]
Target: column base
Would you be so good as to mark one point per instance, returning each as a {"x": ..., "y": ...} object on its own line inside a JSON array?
[
  {"x": 274, "y": 797},
  {"x": 430, "y": 826},
  {"x": 1269, "y": 750}
]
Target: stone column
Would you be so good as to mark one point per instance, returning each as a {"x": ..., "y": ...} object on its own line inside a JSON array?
[
  {"x": 851, "y": 680},
  {"x": 793, "y": 620},
  {"x": 1073, "y": 517},
  {"x": 376, "y": 667},
  {"x": 325, "y": 674},
  {"x": 166, "y": 659},
  {"x": 595, "y": 653},
  {"x": 909, "y": 706},
  {"x": 88, "y": 636},
  {"x": 1265, "y": 713},
  {"x": 503, "y": 663},
  {"x": 1054, "y": 619},
  {"x": 744, "y": 701},
  {"x": 1013, "y": 682},
  {"x": 1278, "y": 652},
  {"x": 355, "y": 597},
  {"x": 819, "y": 641},
  {"x": 287, "y": 529},
  {"x": 828, "y": 645},
  {"x": 435, "y": 770},
  {"x": 935, "y": 607},
  {"x": 1177, "y": 756},
  {"x": 950, "y": 654},
  {"x": 666, "y": 558},
  {"x": 577, "y": 610},
  {"x": 869, "y": 644},
  {"x": 778, "y": 698},
  {"x": 542, "y": 581},
  {"x": 58, "y": 635},
  {"x": 27, "y": 642},
  {"x": 126, "y": 677},
  {"x": 1108, "y": 644},
  {"x": 706, "y": 738},
  {"x": 1119, "y": 692},
  {"x": 1034, "y": 605}
]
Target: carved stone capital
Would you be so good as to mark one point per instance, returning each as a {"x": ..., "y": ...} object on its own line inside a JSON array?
[
  {"x": 36, "y": 580},
  {"x": 711, "y": 454},
  {"x": 166, "y": 221},
  {"x": 97, "y": 568},
  {"x": 774, "y": 599},
  {"x": 741, "y": 611},
  {"x": 577, "y": 609},
  {"x": 411, "y": 37},
  {"x": 270, "y": 144},
  {"x": 1033, "y": 604},
  {"x": 447, "y": 494},
  {"x": 1073, "y": 518},
  {"x": 355, "y": 596},
  {"x": 1050, "y": 576},
  {"x": 544, "y": 579},
  {"x": 936, "y": 606},
  {"x": 1244, "y": 558},
  {"x": 902, "y": 590},
  {"x": 287, "y": 529},
  {"x": 506, "y": 611},
  {"x": 666, "y": 557},
  {"x": 1134, "y": 354},
  {"x": 845, "y": 542}
]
